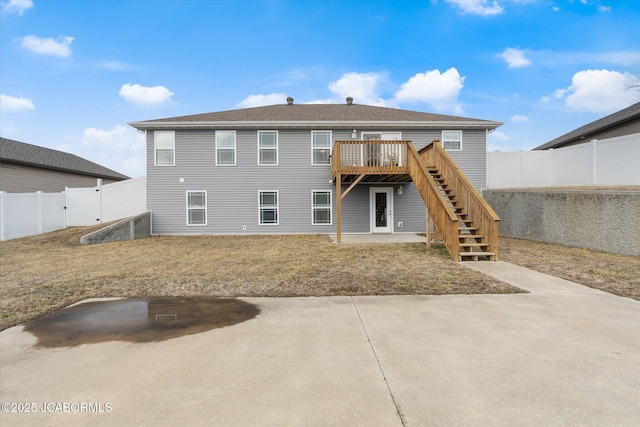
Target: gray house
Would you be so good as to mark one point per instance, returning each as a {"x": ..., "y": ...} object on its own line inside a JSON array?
[
  {"x": 287, "y": 168},
  {"x": 623, "y": 122},
  {"x": 25, "y": 168}
]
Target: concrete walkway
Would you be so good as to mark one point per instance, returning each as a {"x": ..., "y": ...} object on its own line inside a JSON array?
[{"x": 562, "y": 355}]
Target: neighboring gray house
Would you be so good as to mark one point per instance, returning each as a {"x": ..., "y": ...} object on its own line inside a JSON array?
[
  {"x": 623, "y": 122},
  {"x": 25, "y": 168},
  {"x": 268, "y": 170}
]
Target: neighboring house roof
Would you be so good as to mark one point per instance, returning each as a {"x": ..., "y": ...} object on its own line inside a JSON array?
[
  {"x": 582, "y": 133},
  {"x": 32, "y": 155},
  {"x": 292, "y": 115}
]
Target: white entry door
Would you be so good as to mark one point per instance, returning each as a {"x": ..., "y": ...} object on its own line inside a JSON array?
[{"x": 381, "y": 207}]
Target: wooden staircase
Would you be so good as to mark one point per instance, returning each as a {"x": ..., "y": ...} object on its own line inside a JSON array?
[
  {"x": 471, "y": 231},
  {"x": 467, "y": 224}
]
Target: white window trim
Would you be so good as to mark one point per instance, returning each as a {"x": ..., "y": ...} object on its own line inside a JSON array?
[
  {"x": 235, "y": 151},
  {"x": 277, "y": 207},
  {"x": 155, "y": 147},
  {"x": 330, "y": 147},
  {"x": 442, "y": 139},
  {"x": 313, "y": 208},
  {"x": 277, "y": 148},
  {"x": 206, "y": 202},
  {"x": 397, "y": 135}
]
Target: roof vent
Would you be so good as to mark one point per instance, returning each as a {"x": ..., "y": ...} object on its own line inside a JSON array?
[
  {"x": 290, "y": 100},
  {"x": 349, "y": 100}
]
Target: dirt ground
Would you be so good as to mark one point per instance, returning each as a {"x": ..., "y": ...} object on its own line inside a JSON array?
[{"x": 44, "y": 273}]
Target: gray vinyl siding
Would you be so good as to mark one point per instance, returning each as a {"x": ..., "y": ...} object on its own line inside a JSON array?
[
  {"x": 15, "y": 178},
  {"x": 232, "y": 191},
  {"x": 471, "y": 159}
]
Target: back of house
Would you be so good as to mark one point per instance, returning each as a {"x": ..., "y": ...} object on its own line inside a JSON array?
[{"x": 267, "y": 170}]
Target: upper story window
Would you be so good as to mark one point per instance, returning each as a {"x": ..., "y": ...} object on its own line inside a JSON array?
[
  {"x": 164, "y": 147},
  {"x": 320, "y": 147},
  {"x": 196, "y": 208},
  {"x": 267, "y": 147},
  {"x": 226, "y": 147},
  {"x": 452, "y": 139}
]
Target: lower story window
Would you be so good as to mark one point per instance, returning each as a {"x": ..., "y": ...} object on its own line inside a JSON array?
[
  {"x": 321, "y": 207},
  {"x": 268, "y": 208},
  {"x": 196, "y": 208}
]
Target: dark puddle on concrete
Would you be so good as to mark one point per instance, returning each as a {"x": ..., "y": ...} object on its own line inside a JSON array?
[{"x": 138, "y": 320}]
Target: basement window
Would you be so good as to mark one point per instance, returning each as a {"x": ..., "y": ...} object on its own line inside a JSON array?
[
  {"x": 321, "y": 207},
  {"x": 196, "y": 208},
  {"x": 268, "y": 208}
]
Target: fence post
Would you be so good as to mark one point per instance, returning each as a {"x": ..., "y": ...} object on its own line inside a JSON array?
[
  {"x": 64, "y": 209},
  {"x": 99, "y": 202},
  {"x": 3, "y": 215}
]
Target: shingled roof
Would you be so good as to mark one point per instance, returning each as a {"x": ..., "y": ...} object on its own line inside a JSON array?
[
  {"x": 583, "y": 132},
  {"x": 32, "y": 155},
  {"x": 301, "y": 115}
]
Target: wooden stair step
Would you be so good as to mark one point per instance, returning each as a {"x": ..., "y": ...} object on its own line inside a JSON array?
[
  {"x": 477, "y": 254},
  {"x": 470, "y": 236},
  {"x": 473, "y": 245}
]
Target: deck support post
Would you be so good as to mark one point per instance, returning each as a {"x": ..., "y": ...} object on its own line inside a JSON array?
[
  {"x": 339, "y": 208},
  {"x": 428, "y": 230}
]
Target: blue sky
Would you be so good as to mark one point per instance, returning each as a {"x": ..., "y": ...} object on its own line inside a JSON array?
[{"x": 74, "y": 72}]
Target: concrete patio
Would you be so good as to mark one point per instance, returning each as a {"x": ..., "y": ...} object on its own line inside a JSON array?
[{"x": 563, "y": 355}]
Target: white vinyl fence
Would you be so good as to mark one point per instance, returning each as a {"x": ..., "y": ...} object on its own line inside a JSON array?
[
  {"x": 28, "y": 214},
  {"x": 611, "y": 161}
]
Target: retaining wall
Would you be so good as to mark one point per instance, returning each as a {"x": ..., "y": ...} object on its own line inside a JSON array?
[
  {"x": 127, "y": 229},
  {"x": 601, "y": 219}
]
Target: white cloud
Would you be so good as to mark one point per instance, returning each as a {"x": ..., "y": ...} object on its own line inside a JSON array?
[
  {"x": 438, "y": 90},
  {"x": 13, "y": 104},
  {"x": 116, "y": 139},
  {"x": 519, "y": 118},
  {"x": 17, "y": 6},
  {"x": 514, "y": 57},
  {"x": 499, "y": 136},
  {"x": 119, "y": 148},
  {"x": 261, "y": 100},
  {"x": 145, "y": 95},
  {"x": 599, "y": 91},
  {"x": 362, "y": 87},
  {"x": 48, "y": 46},
  {"x": 478, "y": 7},
  {"x": 602, "y": 8}
]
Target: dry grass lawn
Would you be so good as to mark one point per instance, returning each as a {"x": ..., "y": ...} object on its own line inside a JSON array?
[
  {"x": 44, "y": 273},
  {"x": 617, "y": 274}
]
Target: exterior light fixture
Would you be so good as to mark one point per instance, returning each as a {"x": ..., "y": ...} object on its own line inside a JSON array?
[
  {"x": 400, "y": 190},
  {"x": 354, "y": 134}
]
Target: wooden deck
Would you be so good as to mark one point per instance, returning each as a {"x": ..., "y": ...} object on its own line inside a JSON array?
[{"x": 370, "y": 161}]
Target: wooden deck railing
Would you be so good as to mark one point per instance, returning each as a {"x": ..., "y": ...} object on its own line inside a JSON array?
[
  {"x": 444, "y": 218},
  {"x": 369, "y": 157},
  {"x": 484, "y": 218}
]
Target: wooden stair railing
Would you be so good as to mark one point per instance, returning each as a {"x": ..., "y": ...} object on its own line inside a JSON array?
[
  {"x": 478, "y": 235},
  {"x": 444, "y": 218}
]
